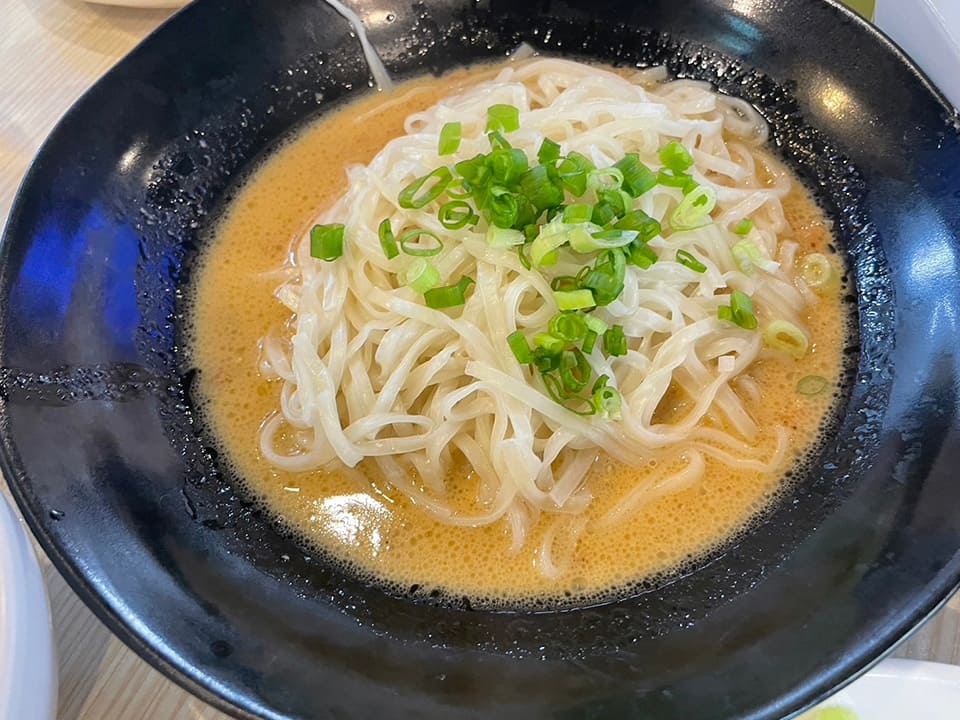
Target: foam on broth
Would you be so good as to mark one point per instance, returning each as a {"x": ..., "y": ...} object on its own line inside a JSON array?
[{"x": 378, "y": 533}]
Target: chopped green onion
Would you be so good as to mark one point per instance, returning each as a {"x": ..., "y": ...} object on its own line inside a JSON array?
[
  {"x": 743, "y": 227},
  {"x": 647, "y": 228},
  {"x": 560, "y": 396},
  {"x": 550, "y": 238},
  {"x": 456, "y": 214},
  {"x": 524, "y": 260},
  {"x": 564, "y": 283},
  {"x": 474, "y": 171},
  {"x": 605, "y": 279},
  {"x": 786, "y": 337},
  {"x": 637, "y": 177},
  {"x": 568, "y": 326},
  {"x": 573, "y": 171},
  {"x": 544, "y": 360},
  {"x": 457, "y": 189},
  {"x": 421, "y": 275},
  {"x": 502, "y": 207},
  {"x": 449, "y": 138},
  {"x": 618, "y": 200},
  {"x": 675, "y": 157},
  {"x": 518, "y": 345},
  {"x": 498, "y": 141},
  {"x": 747, "y": 255},
  {"x": 573, "y": 214},
  {"x": 507, "y": 165},
  {"x": 551, "y": 258},
  {"x": 408, "y": 197},
  {"x": 540, "y": 189},
  {"x": 595, "y": 324},
  {"x": 547, "y": 341},
  {"x": 604, "y": 286},
  {"x": 607, "y": 179},
  {"x": 608, "y": 402},
  {"x": 614, "y": 262},
  {"x": 555, "y": 213},
  {"x": 503, "y": 237},
  {"x": 387, "y": 241},
  {"x": 505, "y": 118},
  {"x": 812, "y": 385},
  {"x": 672, "y": 179},
  {"x": 615, "y": 237},
  {"x": 641, "y": 255},
  {"x": 407, "y": 243},
  {"x": 684, "y": 181},
  {"x": 326, "y": 241},
  {"x": 816, "y": 270},
  {"x": 574, "y": 370},
  {"x": 694, "y": 210},
  {"x": 689, "y": 261},
  {"x": 549, "y": 152},
  {"x": 739, "y": 311},
  {"x": 581, "y": 238},
  {"x": 585, "y": 242},
  {"x": 742, "y": 307},
  {"x": 602, "y": 381},
  {"x": 526, "y": 214},
  {"x": 589, "y": 341},
  {"x": 554, "y": 387},
  {"x": 448, "y": 296},
  {"x": 614, "y": 341},
  {"x": 603, "y": 213},
  {"x": 582, "y": 274},
  {"x": 574, "y": 299}
]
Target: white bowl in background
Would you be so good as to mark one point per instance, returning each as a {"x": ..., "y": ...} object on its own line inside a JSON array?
[
  {"x": 898, "y": 690},
  {"x": 28, "y": 676},
  {"x": 929, "y": 30}
]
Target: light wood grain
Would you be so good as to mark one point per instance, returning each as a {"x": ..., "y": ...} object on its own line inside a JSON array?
[{"x": 50, "y": 52}]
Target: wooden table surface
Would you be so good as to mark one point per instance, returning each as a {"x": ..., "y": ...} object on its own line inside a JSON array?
[{"x": 50, "y": 52}]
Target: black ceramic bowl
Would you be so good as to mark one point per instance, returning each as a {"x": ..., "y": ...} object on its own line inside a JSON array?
[{"x": 114, "y": 471}]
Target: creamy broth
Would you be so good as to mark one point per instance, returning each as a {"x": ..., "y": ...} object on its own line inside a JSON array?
[{"x": 377, "y": 533}]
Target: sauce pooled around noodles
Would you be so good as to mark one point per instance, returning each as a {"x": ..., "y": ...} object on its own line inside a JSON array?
[{"x": 545, "y": 330}]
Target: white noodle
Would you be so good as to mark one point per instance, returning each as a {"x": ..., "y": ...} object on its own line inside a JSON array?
[
  {"x": 371, "y": 372},
  {"x": 379, "y": 72},
  {"x": 649, "y": 490}
]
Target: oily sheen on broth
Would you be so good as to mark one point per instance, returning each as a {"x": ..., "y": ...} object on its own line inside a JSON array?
[{"x": 357, "y": 518}]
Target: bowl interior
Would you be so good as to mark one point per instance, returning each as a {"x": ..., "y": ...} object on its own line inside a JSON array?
[{"x": 119, "y": 479}]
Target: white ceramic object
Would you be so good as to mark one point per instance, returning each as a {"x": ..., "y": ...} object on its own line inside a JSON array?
[
  {"x": 28, "y": 677},
  {"x": 142, "y": 3},
  {"x": 901, "y": 690},
  {"x": 929, "y": 30}
]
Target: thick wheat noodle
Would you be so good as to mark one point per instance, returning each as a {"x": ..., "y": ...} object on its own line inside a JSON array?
[
  {"x": 371, "y": 372},
  {"x": 546, "y": 563},
  {"x": 649, "y": 490}
]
